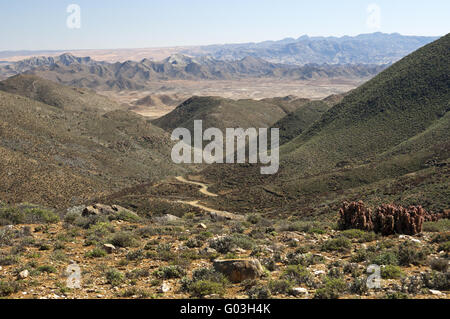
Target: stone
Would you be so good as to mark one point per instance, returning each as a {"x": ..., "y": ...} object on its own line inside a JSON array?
[
  {"x": 167, "y": 218},
  {"x": 208, "y": 250},
  {"x": 224, "y": 216},
  {"x": 201, "y": 226},
  {"x": 101, "y": 209},
  {"x": 238, "y": 270},
  {"x": 165, "y": 287},
  {"x": 24, "y": 274},
  {"x": 109, "y": 248},
  {"x": 298, "y": 291},
  {"x": 436, "y": 292}
]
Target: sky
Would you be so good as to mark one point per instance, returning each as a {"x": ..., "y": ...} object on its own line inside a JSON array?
[{"x": 110, "y": 24}]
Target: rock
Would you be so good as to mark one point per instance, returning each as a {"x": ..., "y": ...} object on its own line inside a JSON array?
[
  {"x": 436, "y": 292},
  {"x": 75, "y": 210},
  {"x": 223, "y": 216},
  {"x": 208, "y": 250},
  {"x": 319, "y": 272},
  {"x": 409, "y": 238},
  {"x": 165, "y": 287},
  {"x": 167, "y": 218},
  {"x": 101, "y": 209},
  {"x": 24, "y": 274},
  {"x": 238, "y": 250},
  {"x": 201, "y": 226},
  {"x": 238, "y": 270},
  {"x": 299, "y": 291},
  {"x": 109, "y": 248}
]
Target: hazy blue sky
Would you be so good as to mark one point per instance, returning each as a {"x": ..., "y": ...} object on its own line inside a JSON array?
[{"x": 41, "y": 24}]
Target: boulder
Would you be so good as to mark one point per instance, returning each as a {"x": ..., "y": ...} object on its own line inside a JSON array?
[
  {"x": 109, "y": 248},
  {"x": 238, "y": 270},
  {"x": 165, "y": 287},
  {"x": 107, "y": 210},
  {"x": 167, "y": 218},
  {"x": 224, "y": 216},
  {"x": 298, "y": 291},
  {"x": 24, "y": 274}
]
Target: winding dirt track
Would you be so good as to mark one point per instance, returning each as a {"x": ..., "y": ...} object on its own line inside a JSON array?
[{"x": 204, "y": 190}]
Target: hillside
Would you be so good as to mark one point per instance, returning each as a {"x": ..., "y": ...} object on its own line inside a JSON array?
[
  {"x": 58, "y": 157},
  {"x": 225, "y": 113},
  {"x": 308, "y": 112},
  {"x": 387, "y": 141},
  {"x": 53, "y": 94}
]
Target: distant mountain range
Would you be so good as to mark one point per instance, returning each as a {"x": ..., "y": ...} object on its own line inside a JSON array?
[
  {"x": 374, "y": 48},
  {"x": 377, "y": 48},
  {"x": 88, "y": 73}
]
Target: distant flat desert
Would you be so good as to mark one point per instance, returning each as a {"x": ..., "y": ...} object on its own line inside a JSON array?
[{"x": 180, "y": 90}]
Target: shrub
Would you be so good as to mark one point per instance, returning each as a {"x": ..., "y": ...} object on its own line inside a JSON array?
[
  {"x": 360, "y": 255},
  {"x": 223, "y": 245},
  {"x": 8, "y": 260},
  {"x": 281, "y": 286},
  {"x": 391, "y": 272},
  {"x": 396, "y": 295},
  {"x": 124, "y": 239},
  {"x": 97, "y": 233},
  {"x": 242, "y": 241},
  {"x": 332, "y": 289},
  {"x": 133, "y": 291},
  {"x": 47, "y": 269},
  {"x": 135, "y": 255},
  {"x": 259, "y": 292},
  {"x": 38, "y": 215},
  {"x": 8, "y": 287},
  {"x": 341, "y": 244},
  {"x": 445, "y": 246},
  {"x": 439, "y": 264},
  {"x": 11, "y": 216},
  {"x": 304, "y": 259},
  {"x": 297, "y": 274},
  {"x": 436, "y": 280},
  {"x": 202, "y": 288},
  {"x": 96, "y": 253},
  {"x": 441, "y": 225},
  {"x": 193, "y": 243},
  {"x": 409, "y": 253},
  {"x": 441, "y": 237},
  {"x": 386, "y": 258},
  {"x": 359, "y": 286},
  {"x": 127, "y": 216},
  {"x": 137, "y": 273},
  {"x": 168, "y": 272},
  {"x": 114, "y": 277},
  {"x": 253, "y": 219},
  {"x": 205, "y": 282},
  {"x": 360, "y": 235}
]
